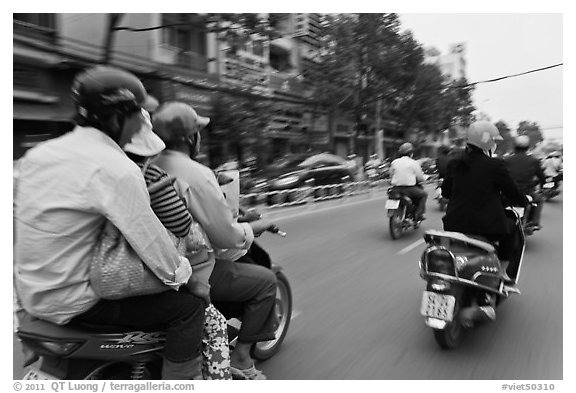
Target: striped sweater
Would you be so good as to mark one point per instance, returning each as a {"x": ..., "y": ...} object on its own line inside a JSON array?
[{"x": 165, "y": 201}]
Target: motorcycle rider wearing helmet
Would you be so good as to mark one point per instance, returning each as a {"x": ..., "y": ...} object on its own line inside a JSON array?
[
  {"x": 407, "y": 175},
  {"x": 553, "y": 167},
  {"x": 179, "y": 126},
  {"x": 527, "y": 173},
  {"x": 474, "y": 185},
  {"x": 67, "y": 189}
]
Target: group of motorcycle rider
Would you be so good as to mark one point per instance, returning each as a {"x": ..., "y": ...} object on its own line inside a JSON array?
[
  {"x": 478, "y": 187},
  {"x": 67, "y": 188}
]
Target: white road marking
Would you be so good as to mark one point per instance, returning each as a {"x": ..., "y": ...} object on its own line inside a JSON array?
[
  {"x": 410, "y": 247},
  {"x": 295, "y": 313}
]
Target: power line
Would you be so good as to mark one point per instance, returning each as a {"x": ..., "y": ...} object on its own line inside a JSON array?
[
  {"x": 453, "y": 86},
  {"x": 512, "y": 76}
]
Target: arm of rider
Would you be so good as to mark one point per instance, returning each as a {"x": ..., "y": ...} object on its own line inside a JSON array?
[
  {"x": 249, "y": 215},
  {"x": 260, "y": 226},
  {"x": 419, "y": 173},
  {"x": 209, "y": 208},
  {"x": 508, "y": 186},
  {"x": 129, "y": 210}
]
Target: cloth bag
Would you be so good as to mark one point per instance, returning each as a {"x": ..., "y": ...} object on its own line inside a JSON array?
[{"x": 116, "y": 270}]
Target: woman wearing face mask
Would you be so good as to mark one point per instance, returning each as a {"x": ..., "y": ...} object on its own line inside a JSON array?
[{"x": 475, "y": 184}]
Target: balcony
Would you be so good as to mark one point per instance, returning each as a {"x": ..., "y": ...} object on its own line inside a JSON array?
[{"x": 184, "y": 59}]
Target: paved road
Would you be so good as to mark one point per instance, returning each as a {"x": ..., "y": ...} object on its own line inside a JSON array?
[{"x": 357, "y": 296}]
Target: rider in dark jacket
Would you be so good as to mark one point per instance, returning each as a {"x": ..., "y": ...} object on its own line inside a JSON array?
[
  {"x": 474, "y": 185},
  {"x": 527, "y": 172}
]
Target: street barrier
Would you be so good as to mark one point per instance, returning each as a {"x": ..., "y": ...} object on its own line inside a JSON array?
[{"x": 304, "y": 195}]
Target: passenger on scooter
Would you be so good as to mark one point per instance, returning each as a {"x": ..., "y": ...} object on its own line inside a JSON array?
[
  {"x": 170, "y": 208},
  {"x": 528, "y": 174},
  {"x": 406, "y": 174},
  {"x": 179, "y": 127},
  {"x": 67, "y": 189},
  {"x": 474, "y": 185},
  {"x": 553, "y": 167}
]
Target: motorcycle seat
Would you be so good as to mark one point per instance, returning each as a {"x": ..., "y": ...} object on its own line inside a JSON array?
[{"x": 432, "y": 234}]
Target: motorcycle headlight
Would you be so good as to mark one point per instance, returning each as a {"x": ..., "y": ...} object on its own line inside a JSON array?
[
  {"x": 440, "y": 261},
  {"x": 287, "y": 181}
]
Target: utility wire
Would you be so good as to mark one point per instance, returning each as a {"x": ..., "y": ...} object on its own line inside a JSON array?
[{"x": 471, "y": 84}]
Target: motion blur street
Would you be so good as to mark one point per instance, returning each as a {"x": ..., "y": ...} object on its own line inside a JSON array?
[{"x": 357, "y": 297}]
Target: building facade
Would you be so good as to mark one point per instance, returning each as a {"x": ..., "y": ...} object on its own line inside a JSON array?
[{"x": 186, "y": 57}]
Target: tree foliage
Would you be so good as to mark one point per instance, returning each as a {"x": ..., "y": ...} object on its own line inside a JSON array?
[
  {"x": 238, "y": 121},
  {"x": 365, "y": 57}
]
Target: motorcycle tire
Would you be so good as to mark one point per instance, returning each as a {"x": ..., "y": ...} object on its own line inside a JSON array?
[
  {"x": 395, "y": 225},
  {"x": 451, "y": 336},
  {"x": 265, "y": 349}
]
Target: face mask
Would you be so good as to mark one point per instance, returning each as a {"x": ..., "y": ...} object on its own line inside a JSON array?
[
  {"x": 131, "y": 126},
  {"x": 194, "y": 145}
]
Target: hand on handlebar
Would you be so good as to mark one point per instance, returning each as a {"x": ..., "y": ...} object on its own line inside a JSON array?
[
  {"x": 258, "y": 227},
  {"x": 249, "y": 216}
]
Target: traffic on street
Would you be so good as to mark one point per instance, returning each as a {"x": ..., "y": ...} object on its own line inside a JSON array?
[{"x": 288, "y": 197}]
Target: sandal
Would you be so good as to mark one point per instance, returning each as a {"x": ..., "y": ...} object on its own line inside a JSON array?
[{"x": 250, "y": 373}]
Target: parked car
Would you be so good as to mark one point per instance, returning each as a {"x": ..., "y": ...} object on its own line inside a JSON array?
[{"x": 300, "y": 170}]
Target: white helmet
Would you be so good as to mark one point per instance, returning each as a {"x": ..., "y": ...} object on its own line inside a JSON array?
[
  {"x": 522, "y": 142},
  {"x": 483, "y": 135}
]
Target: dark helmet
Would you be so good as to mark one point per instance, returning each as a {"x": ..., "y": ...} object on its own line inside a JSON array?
[
  {"x": 405, "y": 149},
  {"x": 102, "y": 91}
]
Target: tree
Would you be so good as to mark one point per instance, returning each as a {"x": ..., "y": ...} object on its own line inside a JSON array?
[
  {"x": 365, "y": 58},
  {"x": 237, "y": 122},
  {"x": 507, "y": 145},
  {"x": 532, "y": 129}
]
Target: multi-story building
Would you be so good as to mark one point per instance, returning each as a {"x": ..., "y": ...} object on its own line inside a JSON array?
[
  {"x": 186, "y": 57},
  {"x": 49, "y": 49}
]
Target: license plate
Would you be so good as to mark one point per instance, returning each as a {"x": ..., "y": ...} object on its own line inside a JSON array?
[
  {"x": 392, "y": 204},
  {"x": 520, "y": 211},
  {"x": 37, "y": 375},
  {"x": 437, "y": 305},
  {"x": 549, "y": 185}
]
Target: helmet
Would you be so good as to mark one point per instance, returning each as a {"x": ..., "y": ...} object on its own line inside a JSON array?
[
  {"x": 405, "y": 149},
  {"x": 483, "y": 135},
  {"x": 101, "y": 91},
  {"x": 522, "y": 142},
  {"x": 176, "y": 122}
]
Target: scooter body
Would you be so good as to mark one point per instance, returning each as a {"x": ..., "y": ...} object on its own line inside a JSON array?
[
  {"x": 114, "y": 352},
  {"x": 463, "y": 274}
]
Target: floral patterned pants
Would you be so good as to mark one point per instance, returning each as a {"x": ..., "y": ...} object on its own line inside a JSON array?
[{"x": 215, "y": 350}]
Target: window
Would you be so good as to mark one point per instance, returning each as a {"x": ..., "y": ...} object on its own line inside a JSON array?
[{"x": 47, "y": 21}]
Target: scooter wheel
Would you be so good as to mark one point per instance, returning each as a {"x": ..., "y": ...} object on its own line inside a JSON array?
[
  {"x": 395, "y": 225},
  {"x": 265, "y": 349}
]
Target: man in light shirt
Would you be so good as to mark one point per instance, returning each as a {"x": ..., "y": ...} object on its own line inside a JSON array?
[
  {"x": 406, "y": 174},
  {"x": 254, "y": 286},
  {"x": 66, "y": 190}
]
